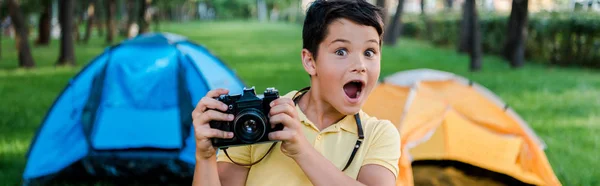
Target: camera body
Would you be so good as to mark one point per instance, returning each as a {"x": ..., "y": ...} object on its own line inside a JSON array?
[{"x": 251, "y": 122}]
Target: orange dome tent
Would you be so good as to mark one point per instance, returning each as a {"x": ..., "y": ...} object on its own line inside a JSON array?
[{"x": 442, "y": 116}]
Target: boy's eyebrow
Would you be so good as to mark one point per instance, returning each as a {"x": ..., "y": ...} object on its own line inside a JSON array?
[
  {"x": 339, "y": 40},
  {"x": 373, "y": 40},
  {"x": 346, "y": 41}
]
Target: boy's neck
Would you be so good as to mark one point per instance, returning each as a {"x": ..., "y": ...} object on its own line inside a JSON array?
[{"x": 317, "y": 110}]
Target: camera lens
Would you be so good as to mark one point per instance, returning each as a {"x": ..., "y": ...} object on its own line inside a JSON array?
[{"x": 250, "y": 125}]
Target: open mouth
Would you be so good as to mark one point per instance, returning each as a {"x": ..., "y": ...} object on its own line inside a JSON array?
[{"x": 353, "y": 89}]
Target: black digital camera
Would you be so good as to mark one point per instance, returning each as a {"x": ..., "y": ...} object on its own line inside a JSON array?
[{"x": 251, "y": 122}]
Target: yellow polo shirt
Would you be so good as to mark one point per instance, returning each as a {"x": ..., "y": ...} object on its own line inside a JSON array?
[{"x": 381, "y": 146}]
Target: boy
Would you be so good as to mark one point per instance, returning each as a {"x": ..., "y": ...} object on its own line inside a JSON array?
[{"x": 327, "y": 139}]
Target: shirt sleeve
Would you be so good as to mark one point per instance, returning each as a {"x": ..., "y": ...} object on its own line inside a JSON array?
[
  {"x": 384, "y": 149},
  {"x": 239, "y": 154}
]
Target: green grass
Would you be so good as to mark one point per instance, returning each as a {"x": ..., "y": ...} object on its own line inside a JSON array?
[{"x": 561, "y": 105}]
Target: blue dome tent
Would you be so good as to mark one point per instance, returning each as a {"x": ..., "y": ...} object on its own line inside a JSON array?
[{"x": 128, "y": 112}]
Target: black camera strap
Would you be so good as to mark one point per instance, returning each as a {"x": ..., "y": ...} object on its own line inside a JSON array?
[
  {"x": 250, "y": 164},
  {"x": 296, "y": 97}
]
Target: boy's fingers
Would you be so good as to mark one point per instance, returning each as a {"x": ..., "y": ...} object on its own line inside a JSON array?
[
  {"x": 214, "y": 133},
  {"x": 283, "y": 135},
  {"x": 213, "y": 115},
  {"x": 210, "y": 103},
  {"x": 282, "y": 100},
  {"x": 283, "y": 119},
  {"x": 216, "y": 92},
  {"x": 283, "y": 109},
  {"x": 212, "y": 94}
]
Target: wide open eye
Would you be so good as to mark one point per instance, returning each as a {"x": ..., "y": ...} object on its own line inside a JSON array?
[
  {"x": 341, "y": 52},
  {"x": 369, "y": 53}
]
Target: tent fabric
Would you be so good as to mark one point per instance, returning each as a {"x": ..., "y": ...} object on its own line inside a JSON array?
[
  {"x": 136, "y": 95},
  {"x": 442, "y": 116}
]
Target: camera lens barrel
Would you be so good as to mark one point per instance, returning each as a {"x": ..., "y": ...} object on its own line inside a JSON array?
[{"x": 250, "y": 125}]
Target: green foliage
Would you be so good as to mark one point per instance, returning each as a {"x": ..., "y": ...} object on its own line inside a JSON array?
[
  {"x": 561, "y": 104},
  {"x": 27, "y": 7},
  {"x": 228, "y": 9},
  {"x": 566, "y": 39},
  {"x": 246, "y": 9}
]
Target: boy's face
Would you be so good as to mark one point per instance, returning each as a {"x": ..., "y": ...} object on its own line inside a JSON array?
[{"x": 347, "y": 65}]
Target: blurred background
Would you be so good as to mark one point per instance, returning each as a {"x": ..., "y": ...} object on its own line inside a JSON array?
[{"x": 539, "y": 56}]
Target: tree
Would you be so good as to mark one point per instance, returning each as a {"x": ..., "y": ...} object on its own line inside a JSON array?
[
  {"x": 382, "y": 5},
  {"x": 79, "y": 6},
  {"x": 470, "y": 36},
  {"x": 66, "y": 19},
  {"x": 99, "y": 13},
  {"x": 90, "y": 20},
  {"x": 131, "y": 18},
  {"x": 426, "y": 20},
  {"x": 143, "y": 16},
  {"x": 111, "y": 7},
  {"x": 448, "y": 4},
  {"x": 514, "y": 48},
  {"x": 262, "y": 10},
  {"x": 1, "y": 13},
  {"x": 22, "y": 38},
  {"x": 393, "y": 31},
  {"x": 44, "y": 23},
  {"x": 463, "y": 41}
]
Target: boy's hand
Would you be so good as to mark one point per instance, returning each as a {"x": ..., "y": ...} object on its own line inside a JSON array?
[
  {"x": 202, "y": 115},
  {"x": 283, "y": 111}
]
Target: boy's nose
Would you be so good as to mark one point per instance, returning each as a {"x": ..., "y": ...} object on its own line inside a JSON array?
[{"x": 359, "y": 66}]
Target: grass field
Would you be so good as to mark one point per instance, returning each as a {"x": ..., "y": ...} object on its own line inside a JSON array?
[{"x": 561, "y": 105}]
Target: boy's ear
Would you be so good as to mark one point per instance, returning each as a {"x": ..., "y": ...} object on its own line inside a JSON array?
[{"x": 309, "y": 62}]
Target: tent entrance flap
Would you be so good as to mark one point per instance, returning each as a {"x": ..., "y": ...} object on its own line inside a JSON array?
[
  {"x": 138, "y": 103},
  {"x": 124, "y": 128},
  {"x": 448, "y": 172}
]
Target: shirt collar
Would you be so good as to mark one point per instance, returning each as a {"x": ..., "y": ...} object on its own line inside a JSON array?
[{"x": 348, "y": 123}]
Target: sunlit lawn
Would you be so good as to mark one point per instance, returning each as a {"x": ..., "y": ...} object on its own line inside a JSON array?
[{"x": 562, "y": 105}]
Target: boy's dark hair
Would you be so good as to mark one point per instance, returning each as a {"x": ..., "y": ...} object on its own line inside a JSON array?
[{"x": 322, "y": 12}]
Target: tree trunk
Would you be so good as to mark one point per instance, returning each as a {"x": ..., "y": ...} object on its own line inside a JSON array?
[
  {"x": 99, "y": 14},
  {"x": 465, "y": 24},
  {"x": 1, "y": 30},
  {"x": 122, "y": 24},
  {"x": 90, "y": 22},
  {"x": 262, "y": 10},
  {"x": 449, "y": 4},
  {"x": 475, "y": 46},
  {"x": 111, "y": 8},
  {"x": 1, "y": 33},
  {"x": 22, "y": 38},
  {"x": 76, "y": 22},
  {"x": 67, "y": 48},
  {"x": 143, "y": 21},
  {"x": 156, "y": 21},
  {"x": 44, "y": 23},
  {"x": 514, "y": 48},
  {"x": 381, "y": 4},
  {"x": 474, "y": 38},
  {"x": 99, "y": 25},
  {"x": 426, "y": 20},
  {"x": 131, "y": 18},
  {"x": 394, "y": 30},
  {"x": 170, "y": 14}
]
